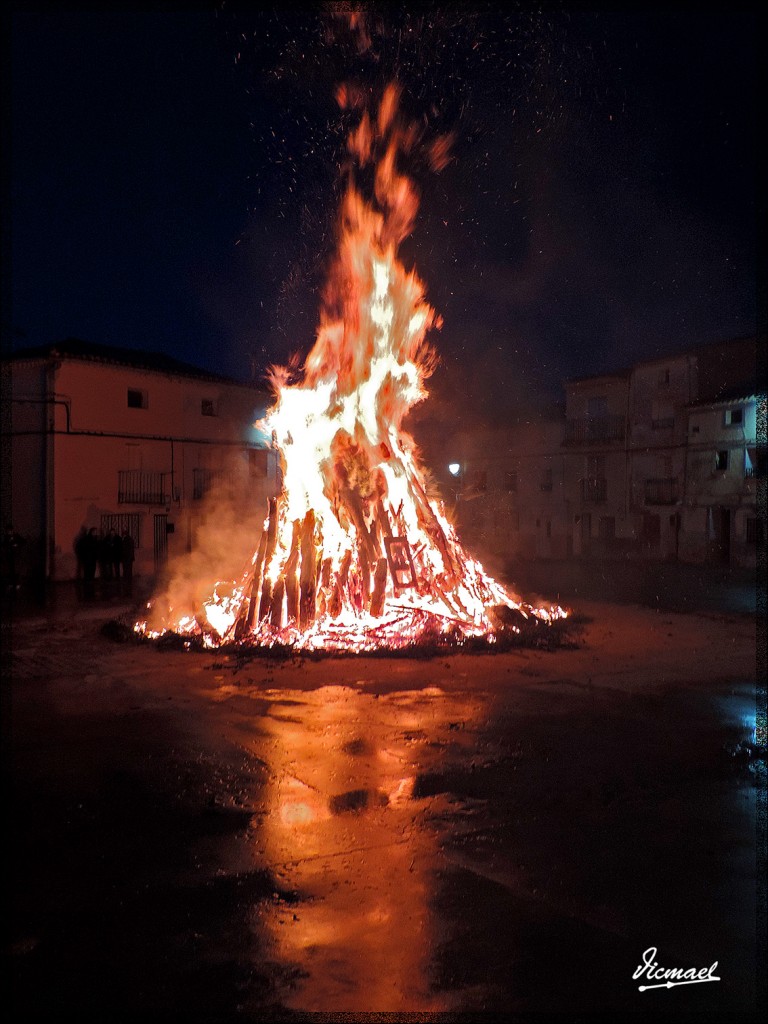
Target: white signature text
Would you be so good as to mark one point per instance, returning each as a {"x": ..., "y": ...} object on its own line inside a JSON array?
[{"x": 671, "y": 975}]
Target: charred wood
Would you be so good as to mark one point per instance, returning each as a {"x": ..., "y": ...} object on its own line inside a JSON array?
[
  {"x": 340, "y": 585},
  {"x": 308, "y": 575},
  {"x": 255, "y": 586},
  {"x": 291, "y": 576},
  {"x": 379, "y": 587},
  {"x": 276, "y": 610},
  {"x": 266, "y": 587},
  {"x": 266, "y": 599},
  {"x": 383, "y": 519}
]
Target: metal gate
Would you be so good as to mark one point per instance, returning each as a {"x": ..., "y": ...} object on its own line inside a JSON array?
[{"x": 161, "y": 540}]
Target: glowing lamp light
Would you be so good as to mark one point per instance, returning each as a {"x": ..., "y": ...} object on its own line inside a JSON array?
[{"x": 454, "y": 468}]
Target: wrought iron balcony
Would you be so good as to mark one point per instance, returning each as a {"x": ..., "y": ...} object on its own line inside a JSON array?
[
  {"x": 661, "y": 492},
  {"x": 136, "y": 487},
  {"x": 594, "y": 430},
  {"x": 203, "y": 480},
  {"x": 594, "y": 489},
  {"x": 206, "y": 480}
]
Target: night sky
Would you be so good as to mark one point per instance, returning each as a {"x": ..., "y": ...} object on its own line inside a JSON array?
[{"x": 174, "y": 180}]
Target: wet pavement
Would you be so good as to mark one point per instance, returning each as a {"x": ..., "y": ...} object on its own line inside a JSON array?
[
  {"x": 668, "y": 586},
  {"x": 209, "y": 838}
]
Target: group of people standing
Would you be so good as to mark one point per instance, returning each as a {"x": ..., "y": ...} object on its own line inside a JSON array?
[{"x": 111, "y": 553}]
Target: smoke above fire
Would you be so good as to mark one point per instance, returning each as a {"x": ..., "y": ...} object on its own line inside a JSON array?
[{"x": 354, "y": 554}]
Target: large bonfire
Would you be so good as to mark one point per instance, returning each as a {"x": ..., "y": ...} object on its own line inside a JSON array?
[{"x": 354, "y": 554}]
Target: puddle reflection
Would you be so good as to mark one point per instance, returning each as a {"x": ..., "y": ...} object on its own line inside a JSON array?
[{"x": 343, "y": 831}]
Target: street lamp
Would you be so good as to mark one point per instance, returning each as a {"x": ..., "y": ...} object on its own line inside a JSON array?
[{"x": 456, "y": 469}]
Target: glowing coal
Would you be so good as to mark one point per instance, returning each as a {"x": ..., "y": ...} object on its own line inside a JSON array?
[{"x": 354, "y": 554}]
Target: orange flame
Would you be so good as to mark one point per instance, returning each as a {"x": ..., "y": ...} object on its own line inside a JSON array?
[{"x": 354, "y": 554}]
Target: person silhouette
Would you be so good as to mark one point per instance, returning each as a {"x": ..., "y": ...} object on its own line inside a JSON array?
[
  {"x": 90, "y": 549},
  {"x": 127, "y": 557},
  {"x": 116, "y": 552}
]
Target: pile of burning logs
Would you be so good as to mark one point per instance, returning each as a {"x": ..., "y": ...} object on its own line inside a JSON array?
[{"x": 307, "y": 588}]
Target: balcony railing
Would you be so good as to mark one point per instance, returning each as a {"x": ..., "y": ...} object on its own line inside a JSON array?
[
  {"x": 594, "y": 429},
  {"x": 205, "y": 480},
  {"x": 135, "y": 487},
  {"x": 661, "y": 492},
  {"x": 594, "y": 489}
]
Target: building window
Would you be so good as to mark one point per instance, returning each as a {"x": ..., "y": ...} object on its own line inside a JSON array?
[
  {"x": 755, "y": 531},
  {"x": 733, "y": 417},
  {"x": 546, "y": 479},
  {"x": 510, "y": 480},
  {"x": 662, "y": 415},
  {"x": 122, "y": 522},
  {"x": 139, "y": 487},
  {"x": 721, "y": 460},
  {"x": 606, "y": 527},
  {"x": 664, "y": 376},
  {"x": 695, "y": 428},
  {"x": 137, "y": 399},
  {"x": 207, "y": 407},
  {"x": 755, "y": 462},
  {"x": 202, "y": 481}
]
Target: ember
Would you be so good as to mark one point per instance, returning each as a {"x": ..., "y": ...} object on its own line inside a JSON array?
[{"x": 354, "y": 554}]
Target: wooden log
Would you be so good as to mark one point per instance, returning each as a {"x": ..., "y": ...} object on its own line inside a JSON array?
[
  {"x": 340, "y": 585},
  {"x": 400, "y": 525},
  {"x": 276, "y": 610},
  {"x": 266, "y": 599},
  {"x": 325, "y": 573},
  {"x": 271, "y": 530},
  {"x": 324, "y": 589},
  {"x": 346, "y": 562},
  {"x": 365, "y": 576},
  {"x": 383, "y": 519},
  {"x": 379, "y": 586},
  {"x": 377, "y": 543},
  {"x": 255, "y": 585},
  {"x": 308, "y": 572},
  {"x": 354, "y": 505},
  {"x": 266, "y": 586},
  {"x": 431, "y": 525},
  {"x": 291, "y": 575}
]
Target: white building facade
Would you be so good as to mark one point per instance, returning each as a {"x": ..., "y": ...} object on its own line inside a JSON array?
[
  {"x": 725, "y": 491},
  {"x": 123, "y": 440}
]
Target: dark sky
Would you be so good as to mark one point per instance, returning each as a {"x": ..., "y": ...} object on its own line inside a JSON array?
[{"x": 174, "y": 179}]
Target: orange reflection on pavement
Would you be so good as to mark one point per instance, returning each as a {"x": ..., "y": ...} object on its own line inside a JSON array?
[{"x": 343, "y": 831}]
